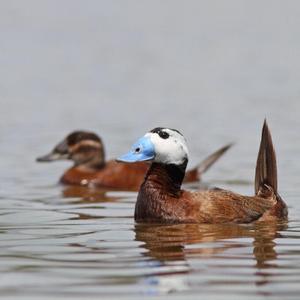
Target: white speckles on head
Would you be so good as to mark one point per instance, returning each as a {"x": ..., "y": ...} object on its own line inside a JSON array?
[{"x": 170, "y": 146}]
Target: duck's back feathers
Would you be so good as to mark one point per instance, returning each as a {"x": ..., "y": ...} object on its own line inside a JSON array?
[
  {"x": 221, "y": 206},
  {"x": 211, "y": 207}
]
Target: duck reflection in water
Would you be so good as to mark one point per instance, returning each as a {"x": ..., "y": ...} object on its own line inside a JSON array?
[
  {"x": 183, "y": 241},
  {"x": 84, "y": 194},
  {"x": 264, "y": 251}
]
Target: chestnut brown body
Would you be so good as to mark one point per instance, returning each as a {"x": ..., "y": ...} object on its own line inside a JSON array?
[
  {"x": 161, "y": 199},
  {"x": 115, "y": 175},
  {"x": 111, "y": 175},
  {"x": 90, "y": 167}
]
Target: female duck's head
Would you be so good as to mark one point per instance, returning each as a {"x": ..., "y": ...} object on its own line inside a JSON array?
[
  {"x": 160, "y": 145},
  {"x": 82, "y": 147}
]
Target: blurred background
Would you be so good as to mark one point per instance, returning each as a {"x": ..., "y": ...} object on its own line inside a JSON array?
[{"x": 212, "y": 69}]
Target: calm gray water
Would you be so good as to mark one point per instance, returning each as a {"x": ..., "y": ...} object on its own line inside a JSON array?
[{"x": 214, "y": 70}]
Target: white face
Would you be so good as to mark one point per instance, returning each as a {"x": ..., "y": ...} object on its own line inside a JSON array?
[{"x": 170, "y": 146}]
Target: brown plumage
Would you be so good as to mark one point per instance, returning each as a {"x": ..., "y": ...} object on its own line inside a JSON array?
[
  {"x": 162, "y": 200},
  {"x": 86, "y": 150}
]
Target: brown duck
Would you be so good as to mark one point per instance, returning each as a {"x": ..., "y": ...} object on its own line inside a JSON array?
[
  {"x": 86, "y": 150},
  {"x": 161, "y": 199}
]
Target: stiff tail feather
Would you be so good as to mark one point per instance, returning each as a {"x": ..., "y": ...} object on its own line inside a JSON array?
[
  {"x": 205, "y": 164},
  {"x": 266, "y": 167}
]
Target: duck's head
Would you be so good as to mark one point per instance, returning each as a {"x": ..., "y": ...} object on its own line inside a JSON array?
[
  {"x": 160, "y": 145},
  {"x": 82, "y": 147}
]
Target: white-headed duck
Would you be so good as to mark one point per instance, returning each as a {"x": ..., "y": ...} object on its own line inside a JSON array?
[
  {"x": 86, "y": 150},
  {"x": 161, "y": 199}
]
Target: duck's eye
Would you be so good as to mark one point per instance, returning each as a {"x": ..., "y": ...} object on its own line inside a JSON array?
[
  {"x": 163, "y": 135},
  {"x": 137, "y": 150}
]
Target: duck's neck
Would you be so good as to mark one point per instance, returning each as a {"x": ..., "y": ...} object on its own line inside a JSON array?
[
  {"x": 162, "y": 183},
  {"x": 164, "y": 179},
  {"x": 94, "y": 164}
]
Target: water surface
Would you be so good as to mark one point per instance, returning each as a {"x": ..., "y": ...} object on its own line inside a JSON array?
[{"x": 213, "y": 70}]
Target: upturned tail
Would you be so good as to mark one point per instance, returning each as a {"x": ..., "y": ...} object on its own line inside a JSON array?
[
  {"x": 205, "y": 164},
  {"x": 266, "y": 167},
  {"x": 211, "y": 159}
]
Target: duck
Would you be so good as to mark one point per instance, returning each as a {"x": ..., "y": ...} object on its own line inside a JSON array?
[
  {"x": 161, "y": 198},
  {"x": 90, "y": 168}
]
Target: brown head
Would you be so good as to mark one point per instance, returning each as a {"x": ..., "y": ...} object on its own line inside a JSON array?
[{"x": 82, "y": 147}]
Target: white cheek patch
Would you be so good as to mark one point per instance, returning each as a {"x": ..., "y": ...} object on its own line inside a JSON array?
[{"x": 172, "y": 150}]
